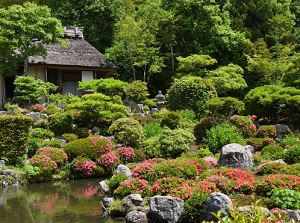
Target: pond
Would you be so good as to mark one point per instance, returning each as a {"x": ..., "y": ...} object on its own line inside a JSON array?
[{"x": 73, "y": 201}]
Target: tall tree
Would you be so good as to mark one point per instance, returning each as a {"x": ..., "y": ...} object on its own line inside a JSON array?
[
  {"x": 24, "y": 29},
  {"x": 97, "y": 18}
]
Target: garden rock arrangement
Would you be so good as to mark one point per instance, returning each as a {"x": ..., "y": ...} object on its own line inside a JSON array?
[{"x": 9, "y": 177}]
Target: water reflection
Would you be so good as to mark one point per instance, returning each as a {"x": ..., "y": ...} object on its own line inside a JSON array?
[{"x": 62, "y": 201}]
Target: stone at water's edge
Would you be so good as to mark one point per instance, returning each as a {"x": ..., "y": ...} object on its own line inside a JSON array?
[
  {"x": 216, "y": 202},
  {"x": 106, "y": 202},
  {"x": 104, "y": 187},
  {"x": 2, "y": 164},
  {"x": 122, "y": 169},
  {"x": 132, "y": 200},
  {"x": 136, "y": 217},
  {"x": 236, "y": 156},
  {"x": 165, "y": 209}
]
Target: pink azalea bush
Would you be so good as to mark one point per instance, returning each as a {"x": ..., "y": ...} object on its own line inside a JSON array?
[
  {"x": 44, "y": 162},
  {"x": 109, "y": 161},
  {"x": 133, "y": 186},
  {"x": 244, "y": 124},
  {"x": 83, "y": 167},
  {"x": 229, "y": 180},
  {"x": 37, "y": 108},
  {"x": 211, "y": 160},
  {"x": 144, "y": 170},
  {"x": 55, "y": 154},
  {"x": 126, "y": 154}
]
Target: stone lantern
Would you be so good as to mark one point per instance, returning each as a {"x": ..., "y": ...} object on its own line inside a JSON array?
[{"x": 160, "y": 100}]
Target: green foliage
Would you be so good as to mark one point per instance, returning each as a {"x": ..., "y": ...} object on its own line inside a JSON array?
[
  {"x": 292, "y": 154},
  {"x": 227, "y": 79},
  {"x": 19, "y": 26},
  {"x": 273, "y": 168},
  {"x": 69, "y": 137},
  {"x": 60, "y": 100},
  {"x": 91, "y": 147},
  {"x": 61, "y": 122},
  {"x": 286, "y": 198},
  {"x": 202, "y": 127},
  {"x": 204, "y": 152},
  {"x": 260, "y": 143},
  {"x": 289, "y": 140},
  {"x": 33, "y": 145},
  {"x": 188, "y": 115},
  {"x": 221, "y": 135},
  {"x": 53, "y": 143},
  {"x": 180, "y": 168},
  {"x": 272, "y": 152},
  {"x": 190, "y": 93},
  {"x": 266, "y": 131},
  {"x": 193, "y": 206},
  {"x": 152, "y": 129},
  {"x": 55, "y": 154},
  {"x": 42, "y": 133},
  {"x": 170, "y": 119},
  {"x": 12, "y": 109},
  {"x": 136, "y": 91},
  {"x": 220, "y": 107},
  {"x": 172, "y": 143},
  {"x": 152, "y": 147},
  {"x": 272, "y": 101},
  {"x": 107, "y": 86},
  {"x": 14, "y": 134},
  {"x": 31, "y": 89},
  {"x": 114, "y": 182},
  {"x": 128, "y": 131}
]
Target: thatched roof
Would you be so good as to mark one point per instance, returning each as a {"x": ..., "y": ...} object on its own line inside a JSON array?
[{"x": 78, "y": 53}]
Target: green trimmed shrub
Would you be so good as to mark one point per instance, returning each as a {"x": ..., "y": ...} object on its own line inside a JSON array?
[
  {"x": 128, "y": 131},
  {"x": 188, "y": 115},
  {"x": 170, "y": 119},
  {"x": 152, "y": 129},
  {"x": 91, "y": 147},
  {"x": 274, "y": 168},
  {"x": 272, "y": 152},
  {"x": 190, "y": 93},
  {"x": 289, "y": 140},
  {"x": 136, "y": 91},
  {"x": 61, "y": 122},
  {"x": 69, "y": 137},
  {"x": 292, "y": 155},
  {"x": 42, "y": 133},
  {"x": 244, "y": 124},
  {"x": 114, "y": 182},
  {"x": 172, "y": 143},
  {"x": 14, "y": 135},
  {"x": 221, "y": 135},
  {"x": 33, "y": 145},
  {"x": 53, "y": 143}
]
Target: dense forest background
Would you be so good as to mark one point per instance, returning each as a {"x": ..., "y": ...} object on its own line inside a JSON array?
[{"x": 255, "y": 42}]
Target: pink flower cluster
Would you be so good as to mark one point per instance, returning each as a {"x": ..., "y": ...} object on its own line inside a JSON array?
[
  {"x": 133, "y": 186},
  {"x": 55, "y": 154},
  {"x": 44, "y": 162},
  {"x": 84, "y": 167},
  {"x": 144, "y": 169},
  {"x": 126, "y": 154},
  {"x": 37, "y": 108},
  {"x": 211, "y": 160},
  {"x": 109, "y": 160}
]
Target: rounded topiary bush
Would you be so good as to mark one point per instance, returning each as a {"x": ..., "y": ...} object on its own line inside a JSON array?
[
  {"x": 272, "y": 152},
  {"x": 83, "y": 167},
  {"x": 91, "y": 147},
  {"x": 244, "y": 124},
  {"x": 292, "y": 155},
  {"x": 190, "y": 93},
  {"x": 56, "y": 154},
  {"x": 126, "y": 154},
  {"x": 221, "y": 135},
  {"x": 128, "y": 131},
  {"x": 170, "y": 119},
  {"x": 61, "y": 122},
  {"x": 109, "y": 161}
]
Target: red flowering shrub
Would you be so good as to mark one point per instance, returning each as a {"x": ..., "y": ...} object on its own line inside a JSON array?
[
  {"x": 267, "y": 183},
  {"x": 185, "y": 190},
  {"x": 144, "y": 170},
  {"x": 164, "y": 185},
  {"x": 244, "y": 124},
  {"x": 37, "y": 108},
  {"x": 55, "y": 154},
  {"x": 83, "y": 167},
  {"x": 92, "y": 147},
  {"x": 211, "y": 160},
  {"x": 109, "y": 161},
  {"x": 266, "y": 131},
  {"x": 126, "y": 154},
  {"x": 44, "y": 162},
  {"x": 133, "y": 186},
  {"x": 228, "y": 180}
]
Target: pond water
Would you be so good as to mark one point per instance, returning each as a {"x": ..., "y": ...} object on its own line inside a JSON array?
[{"x": 73, "y": 201}]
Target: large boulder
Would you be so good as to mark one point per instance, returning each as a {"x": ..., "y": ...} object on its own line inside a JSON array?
[
  {"x": 282, "y": 130},
  {"x": 236, "y": 156},
  {"x": 136, "y": 217},
  {"x": 122, "y": 169},
  {"x": 216, "y": 202},
  {"x": 165, "y": 209}
]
